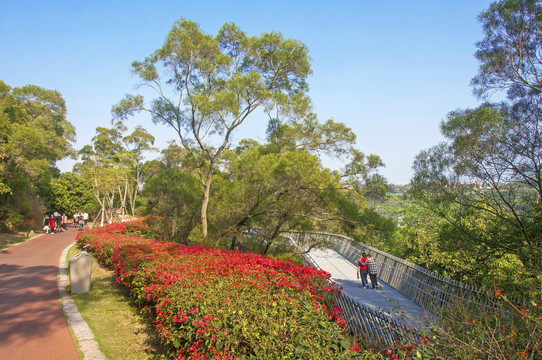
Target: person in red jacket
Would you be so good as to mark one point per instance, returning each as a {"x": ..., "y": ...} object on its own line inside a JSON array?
[
  {"x": 52, "y": 223},
  {"x": 363, "y": 270}
]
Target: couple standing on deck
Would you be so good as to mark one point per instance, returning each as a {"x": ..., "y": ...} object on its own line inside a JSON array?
[{"x": 367, "y": 265}]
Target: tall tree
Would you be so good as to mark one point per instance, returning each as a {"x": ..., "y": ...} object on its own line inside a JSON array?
[
  {"x": 510, "y": 54},
  {"x": 283, "y": 185},
  {"x": 274, "y": 186},
  {"x": 485, "y": 179},
  {"x": 101, "y": 164},
  {"x": 114, "y": 165},
  {"x": 489, "y": 173},
  {"x": 34, "y": 134},
  {"x": 136, "y": 144},
  {"x": 208, "y": 86}
]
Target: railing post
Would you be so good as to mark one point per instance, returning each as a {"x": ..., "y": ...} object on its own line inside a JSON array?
[{"x": 422, "y": 286}]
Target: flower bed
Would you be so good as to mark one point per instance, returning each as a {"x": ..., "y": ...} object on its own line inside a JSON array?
[{"x": 215, "y": 304}]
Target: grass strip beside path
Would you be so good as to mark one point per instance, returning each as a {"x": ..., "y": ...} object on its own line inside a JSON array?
[
  {"x": 117, "y": 326},
  {"x": 9, "y": 239}
]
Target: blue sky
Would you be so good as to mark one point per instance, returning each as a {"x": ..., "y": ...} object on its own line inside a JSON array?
[{"x": 390, "y": 70}]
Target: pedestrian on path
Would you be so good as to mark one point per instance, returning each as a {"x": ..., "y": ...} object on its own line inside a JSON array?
[
  {"x": 52, "y": 223},
  {"x": 363, "y": 270},
  {"x": 371, "y": 264}
]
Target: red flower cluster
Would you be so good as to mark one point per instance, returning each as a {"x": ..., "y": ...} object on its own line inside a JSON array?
[{"x": 212, "y": 303}]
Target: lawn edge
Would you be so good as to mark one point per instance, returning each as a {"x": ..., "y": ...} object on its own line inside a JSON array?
[{"x": 85, "y": 339}]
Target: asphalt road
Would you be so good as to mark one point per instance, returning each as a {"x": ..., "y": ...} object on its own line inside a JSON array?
[{"x": 32, "y": 324}]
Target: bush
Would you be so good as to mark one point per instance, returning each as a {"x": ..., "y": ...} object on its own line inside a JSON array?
[
  {"x": 213, "y": 304},
  {"x": 467, "y": 330}
]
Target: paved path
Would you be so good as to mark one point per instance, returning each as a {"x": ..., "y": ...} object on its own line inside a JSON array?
[
  {"x": 32, "y": 325},
  {"x": 387, "y": 300}
]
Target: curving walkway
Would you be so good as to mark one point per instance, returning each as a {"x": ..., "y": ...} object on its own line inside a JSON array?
[
  {"x": 387, "y": 300},
  {"x": 32, "y": 324}
]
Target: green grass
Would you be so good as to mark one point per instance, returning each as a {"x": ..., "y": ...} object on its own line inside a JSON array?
[
  {"x": 121, "y": 332},
  {"x": 10, "y": 239},
  {"x": 119, "y": 329}
]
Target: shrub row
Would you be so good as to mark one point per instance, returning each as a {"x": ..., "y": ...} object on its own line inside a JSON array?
[{"x": 211, "y": 303}]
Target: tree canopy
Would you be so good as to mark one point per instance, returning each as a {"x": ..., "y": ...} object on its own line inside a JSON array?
[
  {"x": 114, "y": 164},
  {"x": 485, "y": 180},
  {"x": 34, "y": 134},
  {"x": 207, "y": 86},
  {"x": 510, "y": 54},
  {"x": 267, "y": 188}
]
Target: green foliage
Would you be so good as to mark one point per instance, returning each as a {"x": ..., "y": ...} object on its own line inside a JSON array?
[
  {"x": 274, "y": 186},
  {"x": 174, "y": 195},
  {"x": 509, "y": 54},
  {"x": 71, "y": 193},
  {"x": 113, "y": 166},
  {"x": 428, "y": 239},
  {"x": 218, "y": 82},
  {"x": 307, "y": 133},
  {"x": 211, "y": 303},
  {"x": 272, "y": 191},
  {"x": 484, "y": 181},
  {"x": 34, "y": 134},
  {"x": 468, "y": 331},
  {"x": 374, "y": 229}
]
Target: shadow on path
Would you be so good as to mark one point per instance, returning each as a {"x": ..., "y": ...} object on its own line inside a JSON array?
[
  {"x": 32, "y": 324},
  {"x": 21, "y": 290}
]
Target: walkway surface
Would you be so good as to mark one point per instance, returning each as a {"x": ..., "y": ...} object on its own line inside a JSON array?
[
  {"x": 32, "y": 324},
  {"x": 388, "y": 300}
]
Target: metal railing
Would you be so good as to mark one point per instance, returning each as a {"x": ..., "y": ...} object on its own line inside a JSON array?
[
  {"x": 429, "y": 290},
  {"x": 370, "y": 325}
]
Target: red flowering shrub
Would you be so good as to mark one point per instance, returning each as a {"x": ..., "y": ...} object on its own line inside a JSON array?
[{"x": 215, "y": 304}]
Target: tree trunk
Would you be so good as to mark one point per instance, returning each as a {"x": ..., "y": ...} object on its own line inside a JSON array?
[
  {"x": 103, "y": 212},
  {"x": 122, "y": 197},
  {"x": 132, "y": 202},
  {"x": 266, "y": 248},
  {"x": 204, "y": 204},
  {"x": 111, "y": 200}
]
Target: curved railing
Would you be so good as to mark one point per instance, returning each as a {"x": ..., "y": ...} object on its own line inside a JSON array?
[
  {"x": 371, "y": 325},
  {"x": 424, "y": 287}
]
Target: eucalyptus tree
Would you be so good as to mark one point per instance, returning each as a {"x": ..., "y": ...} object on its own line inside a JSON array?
[
  {"x": 274, "y": 186},
  {"x": 510, "y": 53},
  {"x": 136, "y": 143},
  {"x": 485, "y": 179},
  {"x": 283, "y": 185},
  {"x": 113, "y": 164},
  {"x": 271, "y": 191},
  {"x": 100, "y": 164},
  {"x": 208, "y": 86}
]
